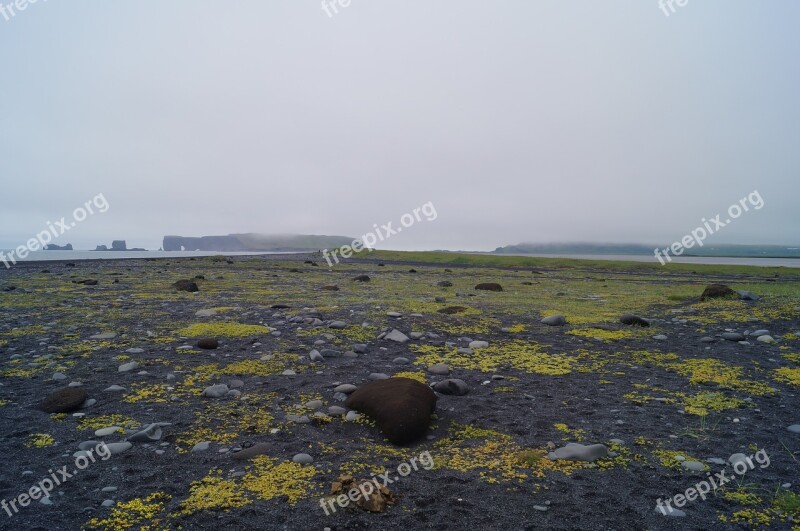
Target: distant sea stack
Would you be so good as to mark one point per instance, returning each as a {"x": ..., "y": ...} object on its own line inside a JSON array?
[
  {"x": 117, "y": 245},
  {"x": 54, "y": 247},
  {"x": 255, "y": 243}
]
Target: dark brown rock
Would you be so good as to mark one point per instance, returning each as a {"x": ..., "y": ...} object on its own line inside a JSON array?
[
  {"x": 208, "y": 343},
  {"x": 251, "y": 452},
  {"x": 450, "y": 310},
  {"x": 633, "y": 320},
  {"x": 186, "y": 285},
  {"x": 330, "y": 288},
  {"x": 64, "y": 400},
  {"x": 361, "y": 278},
  {"x": 489, "y": 286},
  {"x": 401, "y": 407},
  {"x": 717, "y": 291}
]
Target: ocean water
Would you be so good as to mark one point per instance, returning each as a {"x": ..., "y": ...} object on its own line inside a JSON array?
[{"x": 50, "y": 256}]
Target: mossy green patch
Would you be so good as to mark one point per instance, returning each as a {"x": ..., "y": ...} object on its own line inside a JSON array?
[
  {"x": 223, "y": 329},
  {"x": 520, "y": 355}
]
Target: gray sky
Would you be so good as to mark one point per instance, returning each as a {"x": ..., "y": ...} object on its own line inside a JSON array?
[{"x": 521, "y": 120}]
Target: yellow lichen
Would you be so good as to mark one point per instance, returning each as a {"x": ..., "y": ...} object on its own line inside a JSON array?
[
  {"x": 213, "y": 493},
  {"x": 223, "y": 329},
  {"x": 40, "y": 440},
  {"x": 520, "y": 355},
  {"x": 269, "y": 479},
  {"x": 105, "y": 421},
  {"x": 418, "y": 376},
  {"x": 138, "y": 513},
  {"x": 788, "y": 375}
]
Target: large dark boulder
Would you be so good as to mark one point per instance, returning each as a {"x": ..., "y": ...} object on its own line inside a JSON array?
[
  {"x": 64, "y": 400},
  {"x": 186, "y": 285},
  {"x": 450, "y": 310},
  {"x": 208, "y": 343},
  {"x": 489, "y": 286},
  {"x": 634, "y": 320},
  {"x": 718, "y": 291},
  {"x": 401, "y": 407}
]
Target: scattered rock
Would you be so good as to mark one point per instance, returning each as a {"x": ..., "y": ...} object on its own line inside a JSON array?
[
  {"x": 478, "y": 344},
  {"x": 151, "y": 432},
  {"x": 732, "y": 336},
  {"x": 201, "y": 447},
  {"x": 555, "y": 320},
  {"x": 766, "y": 339},
  {"x": 445, "y": 284},
  {"x": 118, "y": 448},
  {"x": 439, "y": 369},
  {"x": 105, "y": 432},
  {"x": 669, "y": 510},
  {"x": 737, "y": 458},
  {"x": 694, "y": 466},
  {"x": 397, "y": 336},
  {"x": 579, "y": 452},
  {"x": 303, "y": 459},
  {"x": 361, "y": 278},
  {"x": 747, "y": 296},
  {"x": 452, "y": 386},
  {"x": 215, "y": 391},
  {"x": 205, "y": 313},
  {"x": 255, "y": 450},
  {"x": 127, "y": 367},
  {"x": 489, "y": 286}
]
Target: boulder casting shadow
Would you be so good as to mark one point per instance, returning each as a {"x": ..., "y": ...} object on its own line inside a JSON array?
[{"x": 401, "y": 407}]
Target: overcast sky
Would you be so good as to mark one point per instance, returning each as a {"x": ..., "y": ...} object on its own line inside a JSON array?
[{"x": 521, "y": 120}]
